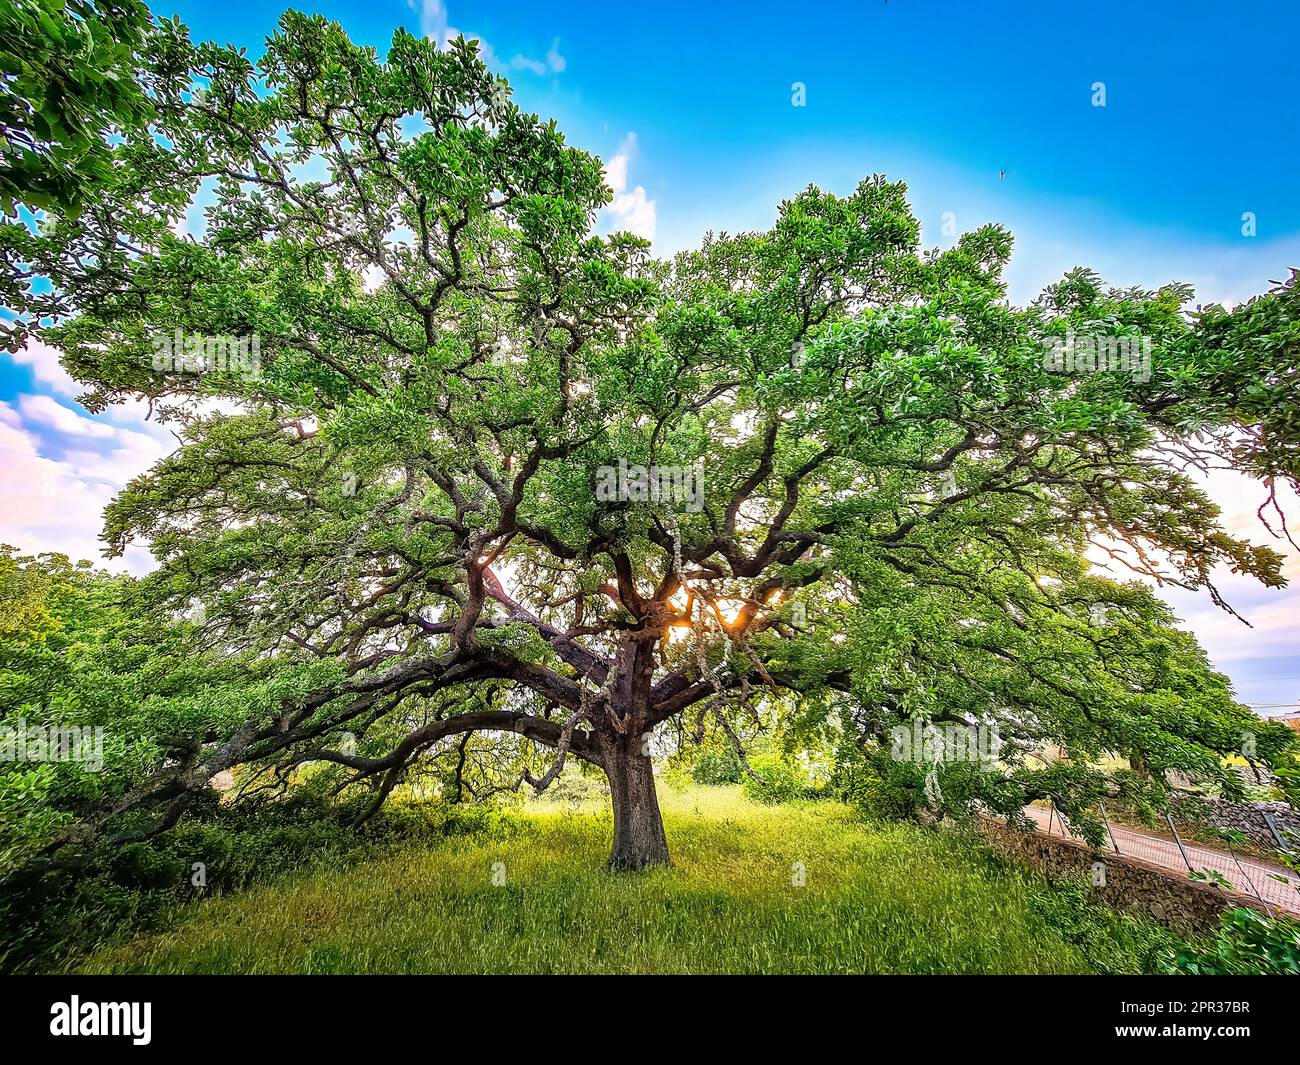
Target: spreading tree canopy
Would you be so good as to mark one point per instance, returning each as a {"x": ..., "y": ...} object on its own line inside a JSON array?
[{"x": 884, "y": 503}]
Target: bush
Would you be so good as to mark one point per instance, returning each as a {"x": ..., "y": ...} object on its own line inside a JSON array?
[
  {"x": 777, "y": 780},
  {"x": 713, "y": 767},
  {"x": 1246, "y": 944},
  {"x": 576, "y": 787},
  {"x": 1111, "y": 942},
  {"x": 876, "y": 785}
]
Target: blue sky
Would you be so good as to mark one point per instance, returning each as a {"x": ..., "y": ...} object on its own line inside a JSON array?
[
  {"x": 690, "y": 104},
  {"x": 1200, "y": 123}
]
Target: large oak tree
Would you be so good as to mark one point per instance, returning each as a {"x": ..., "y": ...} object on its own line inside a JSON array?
[{"x": 399, "y": 512}]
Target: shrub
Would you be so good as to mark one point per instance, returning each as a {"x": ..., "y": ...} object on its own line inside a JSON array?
[
  {"x": 575, "y": 788},
  {"x": 1246, "y": 944},
  {"x": 777, "y": 780},
  {"x": 714, "y": 767},
  {"x": 1111, "y": 942},
  {"x": 876, "y": 785}
]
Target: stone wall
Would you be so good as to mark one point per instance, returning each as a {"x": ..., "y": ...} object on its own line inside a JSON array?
[
  {"x": 1187, "y": 906},
  {"x": 1246, "y": 818}
]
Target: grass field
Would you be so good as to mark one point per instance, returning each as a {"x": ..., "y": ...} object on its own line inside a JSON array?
[{"x": 876, "y": 899}]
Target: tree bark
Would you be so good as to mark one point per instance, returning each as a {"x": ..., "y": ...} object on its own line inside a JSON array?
[{"x": 639, "y": 840}]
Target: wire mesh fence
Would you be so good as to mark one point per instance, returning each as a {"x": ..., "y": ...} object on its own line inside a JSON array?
[{"x": 1246, "y": 875}]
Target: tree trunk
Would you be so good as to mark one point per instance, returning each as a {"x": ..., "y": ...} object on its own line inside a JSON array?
[{"x": 639, "y": 839}]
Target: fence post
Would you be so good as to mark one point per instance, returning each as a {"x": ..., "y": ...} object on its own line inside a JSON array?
[
  {"x": 1109, "y": 830},
  {"x": 1179, "y": 840},
  {"x": 1246, "y": 876},
  {"x": 1277, "y": 838}
]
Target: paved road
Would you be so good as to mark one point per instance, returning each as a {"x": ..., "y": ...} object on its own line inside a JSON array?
[{"x": 1250, "y": 877}]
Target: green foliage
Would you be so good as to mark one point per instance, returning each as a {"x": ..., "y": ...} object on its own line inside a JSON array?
[
  {"x": 714, "y": 766},
  {"x": 68, "y": 78},
  {"x": 78, "y": 650},
  {"x": 576, "y": 788},
  {"x": 1112, "y": 942},
  {"x": 775, "y": 778},
  {"x": 878, "y": 787},
  {"x": 1247, "y": 943},
  {"x": 1247, "y": 366},
  {"x": 72, "y": 657}
]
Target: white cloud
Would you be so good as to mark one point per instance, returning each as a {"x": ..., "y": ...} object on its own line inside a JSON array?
[
  {"x": 1271, "y": 634},
  {"x": 44, "y": 361},
  {"x": 45, "y": 411},
  {"x": 633, "y": 211},
  {"x": 554, "y": 60},
  {"x": 48, "y": 507},
  {"x": 119, "y": 465},
  {"x": 433, "y": 20},
  {"x": 434, "y": 25},
  {"x": 554, "y": 63},
  {"x": 1259, "y": 657},
  {"x": 616, "y": 168},
  {"x": 60, "y": 468}
]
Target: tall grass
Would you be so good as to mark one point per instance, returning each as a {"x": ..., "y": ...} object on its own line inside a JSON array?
[{"x": 875, "y": 899}]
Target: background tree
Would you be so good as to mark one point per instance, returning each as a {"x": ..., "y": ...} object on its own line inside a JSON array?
[
  {"x": 397, "y": 516},
  {"x": 78, "y": 650}
]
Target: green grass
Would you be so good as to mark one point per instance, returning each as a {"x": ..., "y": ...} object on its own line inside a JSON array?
[{"x": 878, "y": 899}]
